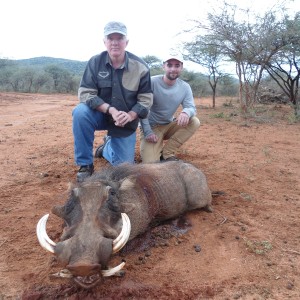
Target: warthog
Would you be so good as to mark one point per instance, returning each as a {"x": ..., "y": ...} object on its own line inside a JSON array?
[{"x": 116, "y": 205}]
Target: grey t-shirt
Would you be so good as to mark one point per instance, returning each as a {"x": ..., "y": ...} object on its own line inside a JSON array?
[{"x": 166, "y": 100}]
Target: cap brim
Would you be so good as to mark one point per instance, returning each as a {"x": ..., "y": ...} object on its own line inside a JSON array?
[
  {"x": 114, "y": 31},
  {"x": 174, "y": 58}
]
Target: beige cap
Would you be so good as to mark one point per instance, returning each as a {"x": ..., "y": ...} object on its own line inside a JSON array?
[
  {"x": 115, "y": 27},
  {"x": 176, "y": 57}
]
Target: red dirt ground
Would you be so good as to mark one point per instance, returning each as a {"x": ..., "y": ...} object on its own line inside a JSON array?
[{"x": 248, "y": 248}]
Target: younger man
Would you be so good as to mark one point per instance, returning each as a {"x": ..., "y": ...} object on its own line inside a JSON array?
[{"x": 169, "y": 93}]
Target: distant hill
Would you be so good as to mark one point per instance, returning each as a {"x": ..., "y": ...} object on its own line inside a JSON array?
[{"x": 73, "y": 66}]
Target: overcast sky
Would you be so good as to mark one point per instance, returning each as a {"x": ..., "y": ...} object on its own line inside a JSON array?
[{"x": 74, "y": 29}]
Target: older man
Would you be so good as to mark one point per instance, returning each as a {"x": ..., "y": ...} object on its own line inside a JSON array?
[{"x": 115, "y": 92}]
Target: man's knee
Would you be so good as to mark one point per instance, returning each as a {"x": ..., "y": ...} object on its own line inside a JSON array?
[
  {"x": 148, "y": 154},
  {"x": 80, "y": 111},
  {"x": 194, "y": 123}
]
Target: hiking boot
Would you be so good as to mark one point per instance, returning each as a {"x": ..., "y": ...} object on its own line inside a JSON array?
[
  {"x": 171, "y": 158},
  {"x": 99, "y": 150},
  {"x": 84, "y": 172}
]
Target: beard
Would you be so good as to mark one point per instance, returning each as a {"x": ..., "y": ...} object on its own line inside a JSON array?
[{"x": 172, "y": 76}]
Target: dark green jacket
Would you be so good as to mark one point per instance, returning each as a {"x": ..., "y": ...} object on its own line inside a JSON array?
[{"x": 127, "y": 88}]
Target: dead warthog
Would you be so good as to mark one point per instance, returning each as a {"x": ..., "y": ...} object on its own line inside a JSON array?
[{"x": 116, "y": 205}]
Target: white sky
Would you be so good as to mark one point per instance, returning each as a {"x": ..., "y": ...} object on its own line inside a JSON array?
[{"x": 73, "y": 29}]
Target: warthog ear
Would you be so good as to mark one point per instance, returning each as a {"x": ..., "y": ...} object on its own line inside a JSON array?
[{"x": 128, "y": 183}]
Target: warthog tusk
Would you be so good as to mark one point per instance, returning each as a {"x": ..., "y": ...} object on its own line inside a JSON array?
[
  {"x": 105, "y": 273},
  {"x": 63, "y": 273},
  {"x": 42, "y": 235},
  {"x": 119, "y": 237},
  {"x": 120, "y": 241},
  {"x": 113, "y": 271}
]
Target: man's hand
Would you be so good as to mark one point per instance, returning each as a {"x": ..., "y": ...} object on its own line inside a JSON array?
[
  {"x": 151, "y": 138},
  {"x": 121, "y": 118},
  {"x": 183, "y": 119}
]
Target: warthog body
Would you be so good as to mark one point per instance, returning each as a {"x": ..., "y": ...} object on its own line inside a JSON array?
[{"x": 146, "y": 193}]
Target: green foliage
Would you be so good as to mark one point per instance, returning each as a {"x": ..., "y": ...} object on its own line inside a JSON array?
[
  {"x": 56, "y": 75},
  {"x": 156, "y": 71},
  {"x": 293, "y": 118},
  {"x": 258, "y": 247},
  {"x": 152, "y": 61},
  {"x": 39, "y": 77},
  {"x": 256, "y": 43},
  {"x": 74, "y": 67},
  {"x": 227, "y": 86},
  {"x": 6, "y": 63},
  {"x": 220, "y": 115}
]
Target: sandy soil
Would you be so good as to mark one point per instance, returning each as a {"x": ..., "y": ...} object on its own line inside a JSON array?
[{"x": 248, "y": 248}]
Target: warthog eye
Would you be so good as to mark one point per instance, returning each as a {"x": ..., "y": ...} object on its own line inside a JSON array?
[
  {"x": 112, "y": 192},
  {"x": 112, "y": 201}
]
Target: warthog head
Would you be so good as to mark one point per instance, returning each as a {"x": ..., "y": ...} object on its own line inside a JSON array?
[{"x": 95, "y": 229}]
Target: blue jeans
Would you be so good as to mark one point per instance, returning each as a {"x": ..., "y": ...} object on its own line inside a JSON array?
[{"x": 85, "y": 122}]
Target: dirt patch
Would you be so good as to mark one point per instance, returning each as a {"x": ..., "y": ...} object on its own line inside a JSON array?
[{"x": 248, "y": 248}]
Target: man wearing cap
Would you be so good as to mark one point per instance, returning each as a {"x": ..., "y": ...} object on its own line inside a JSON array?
[
  {"x": 163, "y": 132},
  {"x": 114, "y": 93}
]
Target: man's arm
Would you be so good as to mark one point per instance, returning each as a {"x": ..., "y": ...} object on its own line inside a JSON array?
[
  {"x": 149, "y": 135},
  {"x": 88, "y": 89},
  {"x": 188, "y": 103}
]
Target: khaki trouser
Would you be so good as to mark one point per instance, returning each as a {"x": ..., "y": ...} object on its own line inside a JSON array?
[{"x": 170, "y": 138}]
